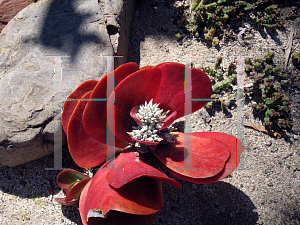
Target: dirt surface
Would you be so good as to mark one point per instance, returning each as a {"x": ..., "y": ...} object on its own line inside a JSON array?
[{"x": 266, "y": 187}]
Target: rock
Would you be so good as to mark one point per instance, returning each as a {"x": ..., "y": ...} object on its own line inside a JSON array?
[
  {"x": 206, "y": 117},
  {"x": 10, "y": 8},
  {"x": 77, "y": 33}
]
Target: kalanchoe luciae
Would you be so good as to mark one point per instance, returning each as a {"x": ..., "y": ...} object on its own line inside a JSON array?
[
  {"x": 145, "y": 101},
  {"x": 72, "y": 182}
]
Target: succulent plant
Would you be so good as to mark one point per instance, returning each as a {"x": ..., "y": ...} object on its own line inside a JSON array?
[
  {"x": 270, "y": 79},
  {"x": 218, "y": 63},
  {"x": 211, "y": 13},
  {"x": 259, "y": 59},
  {"x": 269, "y": 56},
  {"x": 219, "y": 76},
  {"x": 248, "y": 68},
  {"x": 268, "y": 69},
  {"x": 249, "y": 61},
  {"x": 217, "y": 88},
  {"x": 296, "y": 58},
  {"x": 257, "y": 66},
  {"x": 283, "y": 76},
  {"x": 211, "y": 6},
  {"x": 231, "y": 68},
  {"x": 232, "y": 78}
]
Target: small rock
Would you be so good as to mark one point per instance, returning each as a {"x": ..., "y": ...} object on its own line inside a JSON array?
[
  {"x": 268, "y": 143},
  {"x": 226, "y": 103},
  {"x": 206, "y": 117},
  {"x": 295, "y": 137}
]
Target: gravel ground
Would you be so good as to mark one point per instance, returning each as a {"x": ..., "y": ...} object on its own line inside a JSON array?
[{"x": 264, "y": 190}]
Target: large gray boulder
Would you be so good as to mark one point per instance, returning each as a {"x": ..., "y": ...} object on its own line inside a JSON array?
[{"x": 46, "y": 51}]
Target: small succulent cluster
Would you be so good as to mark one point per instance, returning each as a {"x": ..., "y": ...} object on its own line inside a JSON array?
[
  {"x": 219, "y": 82},
  {"x": 268, "y": 81},
  {"x": 212, "y": 14},
  {"x": 296, "y": 59},
  {"x": 152, "y": 119}
]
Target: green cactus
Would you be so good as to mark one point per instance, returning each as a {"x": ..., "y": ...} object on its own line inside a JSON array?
[
  {"x": 248, "y": 61},
  {"x": 296, "y": 58},
  {"x": 270, "y": 79},
  {"x": 226, "y": 84},
  {"x": 269, "y": 101},
  {"x": 268, "y": 70},
  {"x": 272, "y": 9},
  {"x": 248, "y": 68},
  {"x": 259, "y": 59},
  {"x": 209, "y": 105},
  {"x": 269, "y": 56},
  {"x": 219, "y": 76},
  {"x": 276, "y": 71},
  {"x": 257, "y": 66},
  {"x": 283, "y": 76},
  {"x": 250, "y": 7},
  {"x": 233, "y": 79},
  {"x": 231, "y": 68},
  {"x": 216, "y": 88},
  {"x": 218, "y": 63},
  {"x": 211, "y": 6},
  {"x": 266, "y": 119}
]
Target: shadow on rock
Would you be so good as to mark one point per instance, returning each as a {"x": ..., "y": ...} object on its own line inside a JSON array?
[
  {"x": 218, "y": 203},
  {"x": 62, "y": 28}
]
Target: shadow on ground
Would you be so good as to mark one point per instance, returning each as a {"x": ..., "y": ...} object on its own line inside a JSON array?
[
  {"x": 34, "y": 179},
  {"x": 218, "y": 203}
]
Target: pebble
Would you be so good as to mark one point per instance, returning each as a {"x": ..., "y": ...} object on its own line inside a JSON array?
[
  {"x": 295, "y": 137},
  {"x": 206, "y": 117},
  {"x": 268, "y": 143}
]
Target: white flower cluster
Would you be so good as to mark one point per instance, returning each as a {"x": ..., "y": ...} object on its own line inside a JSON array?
[{"x": 152, "y": 119}]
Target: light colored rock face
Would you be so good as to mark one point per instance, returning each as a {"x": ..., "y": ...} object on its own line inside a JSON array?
[
  {"x": 10, "y": 8},
  {"x": 30, "y": 91}
]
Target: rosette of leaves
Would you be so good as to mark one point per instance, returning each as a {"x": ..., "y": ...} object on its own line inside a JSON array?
[{"x": 144, "y": 103}]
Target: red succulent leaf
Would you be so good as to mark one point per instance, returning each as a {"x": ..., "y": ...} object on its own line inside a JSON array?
[
  {"x": 135, "y": 165},
  {"x": 75, "y": 191},
  {"x": 85, "y": 150},
  {"x": 69, "y": 105},
  {"x": 64, "y": 202},
  {"x": 168, "y": 120},
  {"x": 66, "y": 177},
  {"x": 231, "y": 164},
  {"x": 163, "y": 83},
  {"x": 133, "y": 113},
  {"x": 94, "y": 117},
  {"x": 207, "y": 156},
  {"x": 133, "y": 91},
  {"x": 141, "y": 196},
  {"x": 171, "y": 93},
  {"x": 71, "y": 186},
  {"x": 236, "y": 148},
  {"x": 146, "y": 67},
  {"x": 112, "y": 217}
]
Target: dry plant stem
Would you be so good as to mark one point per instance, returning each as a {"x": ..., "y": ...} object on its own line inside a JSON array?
[{"x": 290, "y": 44}]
